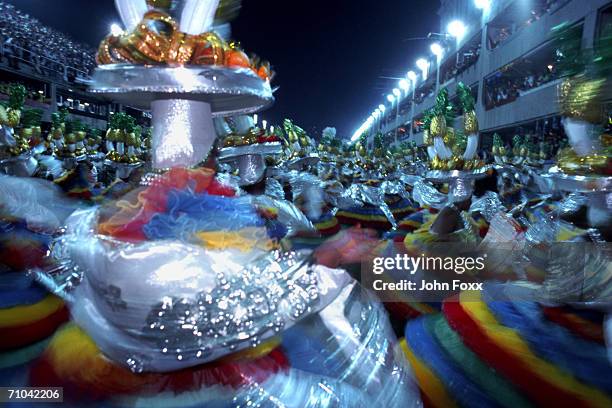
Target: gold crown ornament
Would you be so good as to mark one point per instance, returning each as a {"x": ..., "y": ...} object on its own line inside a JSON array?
[
  {"x": 449, "y": 148},
  {"x": 299, "y": 144},
  {"x": 10, "y": 117},
  {"x": 166, "y": 34},
  {"x": 581, "y": 100}
]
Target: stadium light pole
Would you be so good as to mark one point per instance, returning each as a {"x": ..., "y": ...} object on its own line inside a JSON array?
[
  {"x": 404, "y": 85},
  {"x": 438, "y": 51},
  {"x": 413, "y": 81},
  {"x": 383, "y": 109},
  {"x": 423, "y": 65},
  {"x": 458, "y": 30},
  {"x": 397, "y": 93},
  {"x": 391, "y": 99},
  {"x": 377, "y": 116}
]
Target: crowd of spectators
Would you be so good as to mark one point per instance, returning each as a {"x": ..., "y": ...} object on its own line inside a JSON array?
[
  {"x": 501, "y": 89},
  {"x": 468, "y": 57},
  {"x": 26, "y": 43},
  {"x": 497, "y": 34},
  {"x": 424, "y": 92}
]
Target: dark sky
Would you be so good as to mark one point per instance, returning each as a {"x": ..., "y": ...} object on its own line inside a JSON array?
[{"x": 329, "y": 55}]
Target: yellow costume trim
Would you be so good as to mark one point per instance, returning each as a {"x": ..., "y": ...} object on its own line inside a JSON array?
[
  {"x": 245, "y": 240},
  {"x": 327, "y": 224},
  {"x": 24, "y": 315},
  {"x": 428, "y": 382},
  {"x": 510, "y": 341}
]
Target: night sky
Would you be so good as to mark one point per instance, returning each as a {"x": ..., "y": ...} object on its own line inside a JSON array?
[{"x": 330, "y": 55}]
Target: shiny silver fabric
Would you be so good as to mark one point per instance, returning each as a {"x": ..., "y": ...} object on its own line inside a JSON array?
[
  {"x": 221, "y": 127},
  {"x": 579, "y": 273},
  {"x": 303, "y": 163},
  {"x": 288, "y": 214},
  {"x": 166, "y": 305},
  {"x": 444, "y": 176},
  {"x": 427, "y": 195},
  {"x": 542, "y": 231},
  {"x": 488, "y": 205},
  {"x": 228, "y": 91},
  {"x": 572, "y": 203},
  {"x": 395, "y": 188},
  {"x": 251, "y": 168},
  {"x": 599, "y": 210},
  {"x": 183, "y": 132},
  {"x": 460, "y": 182},
  {"x": 332, "y": 192},
  {"x": 361, "y": 194},
  {"x": 307, "y": 190},
  {"x": 7, "y": 138},
  {"x": 274, "y": 189},
  {"x": 583, "y": 184},
  {"x": 410, "y": 179},
  {"x": 460, "y": 189},
  {"x": 21, "y": 166},
  {"x": 357, "y": 362},
  {"x": 273, "y": 148},
  {"x": 51, "y": 167}
]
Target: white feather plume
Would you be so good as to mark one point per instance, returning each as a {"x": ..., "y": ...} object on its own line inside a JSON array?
[
  {"x": 198, "y": 16},
  {"x": 131, "y": 12},
  {"x": 472, "y": 147}
]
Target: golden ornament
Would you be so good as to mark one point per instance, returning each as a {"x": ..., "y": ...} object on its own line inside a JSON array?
[
  {"x": 470, "y": 123},
  {"x": 427, "y": 139},
  {"x": 14, "y": 117},
  {"x": 437, "y": 128},
  {"x": 131, "y": 139},
  {"x": 449, "y": 138},
  {"x": 580, "y": 98},
  {"x": 209, "y": 49},
  {"x": 71, "y": 138},
  {"x": 569, "y": 162},
  {"x": 160, "y": 4},
  {"x": 26, "y": 132}
]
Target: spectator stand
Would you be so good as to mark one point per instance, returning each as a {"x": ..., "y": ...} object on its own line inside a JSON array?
[
  {"x": 520, "y": 77},
  {"x": 517, "y": 16}
]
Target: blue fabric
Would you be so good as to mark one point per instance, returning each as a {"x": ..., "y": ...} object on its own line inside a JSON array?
[
  {"x": 584, "y": 359},
  {"x": 188, "y": 213},
  {"x": 18, "y": 289},
  {"x": 276, "y": 229},
  {"x": 427, "y": 349},
  {"x": 23, "y": 297}
]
